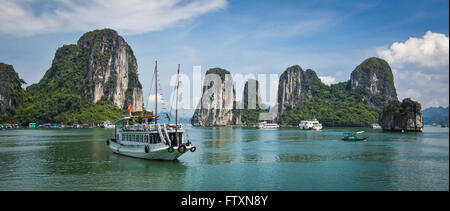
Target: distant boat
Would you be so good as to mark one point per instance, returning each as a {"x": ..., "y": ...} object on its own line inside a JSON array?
[
  {"x": 443, "y": 125},
  {"x": 265, "y": 125},
  {"x": 313, "y": 124},
  {"x": 354, "y": 137},
  {"x": 375, "y": 126},
  {"x": 107, "y": 125}
]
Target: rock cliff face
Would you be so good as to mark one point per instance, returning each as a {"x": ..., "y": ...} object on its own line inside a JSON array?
[
  {"x": 406, "y": 116},
  {"x": 112, "y": 69},
  {"x": 252, "y": 107},
  {"x": 217, "y": 106},
  {"x": 296, "y": 87},
  {"x": 252, "y": 97},
  {"x": 374, "y": 78},
  {"x": 11, "y": 91},
  {"x": 101, "y": 67}
]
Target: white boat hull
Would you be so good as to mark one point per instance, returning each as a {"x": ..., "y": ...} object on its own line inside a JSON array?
[{"x": 156, "y": 151}]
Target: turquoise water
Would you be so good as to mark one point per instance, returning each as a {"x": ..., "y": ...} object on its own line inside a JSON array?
[{"x": 229, "y": 159}]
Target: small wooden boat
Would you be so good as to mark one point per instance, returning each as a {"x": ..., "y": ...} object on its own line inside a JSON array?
[{"x": 354, "y": 137}]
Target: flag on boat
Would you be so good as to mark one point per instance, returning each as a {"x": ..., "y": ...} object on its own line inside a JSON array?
[{"x": 129, "y": 108}]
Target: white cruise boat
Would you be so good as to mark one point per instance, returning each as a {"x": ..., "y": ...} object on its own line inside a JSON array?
[
  {"x": 375, "y": 126},
  {"x": 265, "y": 125},
  {"x": 313, "y": 124},
  {"x": 107, "y": 124},
  {"x": 140, "y": 135}
]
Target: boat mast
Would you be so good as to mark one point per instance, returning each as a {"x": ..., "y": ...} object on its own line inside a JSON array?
[
  {"x": 176, "y": 110},
  {"x": 156, "y": 92}
]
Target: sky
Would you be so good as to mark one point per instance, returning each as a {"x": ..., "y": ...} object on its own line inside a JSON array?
[{"x": 243, "y": 36}]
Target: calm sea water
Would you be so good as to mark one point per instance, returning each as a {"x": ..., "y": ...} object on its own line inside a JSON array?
[{"x": 229, "y": 159}]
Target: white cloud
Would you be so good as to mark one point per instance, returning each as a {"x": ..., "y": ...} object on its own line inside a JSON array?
[
  {"x": 421, "y": 68},
  {"x": 150, "y": 104},
  {"x": 18, "y": 17},
  {"x": 328, "y": 80},
  {"x": 430, "y": 51}
]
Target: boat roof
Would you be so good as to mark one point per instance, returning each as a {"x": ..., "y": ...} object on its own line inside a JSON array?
[
  {"x": 359, "y": 132},
  {"x": 135, "y": 117}
]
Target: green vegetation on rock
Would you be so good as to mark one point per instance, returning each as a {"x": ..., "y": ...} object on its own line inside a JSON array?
[
  {"x": 334, "y": 105},
  {"x": 66, "y": 93}
]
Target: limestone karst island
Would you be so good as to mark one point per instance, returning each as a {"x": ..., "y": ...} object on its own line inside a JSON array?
[{"x": 251, "y": 97}]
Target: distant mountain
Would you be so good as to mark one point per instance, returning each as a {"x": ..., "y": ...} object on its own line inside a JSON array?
[{"x": 438, "y": 115}]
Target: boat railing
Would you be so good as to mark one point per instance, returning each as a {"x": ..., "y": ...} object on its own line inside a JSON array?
[{"x": 140, "y": 127}]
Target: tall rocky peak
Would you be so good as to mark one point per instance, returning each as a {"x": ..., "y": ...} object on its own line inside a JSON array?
[
  {"x": 11, "y": 92},
  {"x": 374, "y": 77},
  {"x": 251, "y": 98},
  {"x": 296, "y": 87},
  {"x": 101, "y": 67},
  {"x": 405, "y": 115},
  {"x": 217, "y": 106}
]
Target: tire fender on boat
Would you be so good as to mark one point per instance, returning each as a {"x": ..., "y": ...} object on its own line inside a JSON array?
[
  {"x": 182, "y": 149},
  {"x": 170, "y": 149},
  {"x": 107, "y": 142},
  {"x": 193, "y": 149},
  {"x": 147, "y": 149}
]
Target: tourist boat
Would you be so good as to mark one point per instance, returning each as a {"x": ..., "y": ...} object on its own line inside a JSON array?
[
  {"x": 354, "y": 137},
  {"x": 313, "y": 124},
  {"x": 375, "y": 126},
  {"x": 139, "y": 135},
  {"x": 265, "y": 125},
  {"x": 107, "y": 124}
]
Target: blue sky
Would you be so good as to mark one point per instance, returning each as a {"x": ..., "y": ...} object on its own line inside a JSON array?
[{"x": 328, "y": 36}]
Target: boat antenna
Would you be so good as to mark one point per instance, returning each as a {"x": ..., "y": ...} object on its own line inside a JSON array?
[
  {"x": 176, "y": 110},
  {"x": 156, "y": 92}
]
